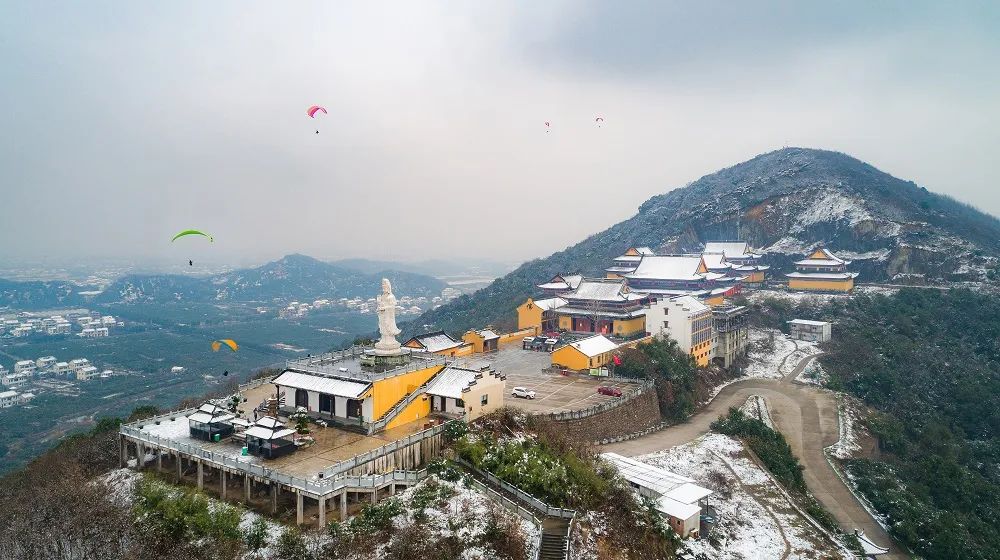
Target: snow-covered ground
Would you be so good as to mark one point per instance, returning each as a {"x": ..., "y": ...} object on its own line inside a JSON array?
[
  {"x": 798, "y": 298},
  {"x": 756, "y": 407},
  {"x": 463, "y": 513},
  {"x": 754, "y": 519},
  {"x": 813, "y": 374},
  {"x": 851, "y": 430},
  {"x": 767, "y": 361}
]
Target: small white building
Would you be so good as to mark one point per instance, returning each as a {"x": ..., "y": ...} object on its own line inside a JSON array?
[
  {"x": 15, "y": 379},
  {"x": 87, "y": 373},
  {"x": 814, "y": 331},
  {"x": 25, "y": 398},
  {"x": 177, "y": 369},
  {"x": 466, "y": 392},
  {"x": 61, "y": 368},
  {"x": 45, "y": 362},
  {"x": 8, "y": 399},
  {"x": 24, "y": 366},
  {"x": 78, "y": 363},
  {"x": 677, "y": 497}
]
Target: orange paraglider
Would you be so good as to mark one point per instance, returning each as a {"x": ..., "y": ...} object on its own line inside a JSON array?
[{"x": 216, "y": 344}]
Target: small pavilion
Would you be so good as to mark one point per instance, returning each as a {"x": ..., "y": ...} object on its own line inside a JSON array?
[
  {"x": 269, "y": 438},
  {"x": 211, "y": 423}
]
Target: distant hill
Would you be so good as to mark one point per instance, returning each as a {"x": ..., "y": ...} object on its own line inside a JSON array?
[
  {"x": 783, "y": 202},
  {"x": 39, "y": 295},
  {"x": 292, "y": 277}
]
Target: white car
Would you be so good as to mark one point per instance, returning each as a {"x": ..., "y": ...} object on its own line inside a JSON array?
[{"x": 523, "y": 392}]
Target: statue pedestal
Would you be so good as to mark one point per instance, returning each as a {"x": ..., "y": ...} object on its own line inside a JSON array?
[{"x": 381, "y": 361}]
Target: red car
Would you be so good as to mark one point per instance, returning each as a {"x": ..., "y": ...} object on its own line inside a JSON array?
[{"x": 612, "y": 391}]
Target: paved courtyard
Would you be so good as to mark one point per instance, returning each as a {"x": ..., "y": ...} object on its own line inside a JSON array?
[{"x": 553, "y": 392}]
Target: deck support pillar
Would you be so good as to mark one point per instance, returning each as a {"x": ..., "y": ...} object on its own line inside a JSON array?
[
  {"x": 275, "y": 488},
  {"x": 159, "y": 460},
  {"x": 343, "y": 506},
  {"x": 224, "y": 475},
  {"x": 322, "y": 513},
  {"x": 374, "y": 496},
  {"x": 246, "y": 488},
  {"x": 392, "y": 488},
  {"x": 180, "y": 466},
  {"x": 299, "y": 514},
  {"x": 122, "y": 452},
  {"x": 201, "y": 476},
  {"x": 140, "y": 455}
]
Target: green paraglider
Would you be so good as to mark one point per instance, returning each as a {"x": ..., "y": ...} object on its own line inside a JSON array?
[{"x": 192, "y": 232}]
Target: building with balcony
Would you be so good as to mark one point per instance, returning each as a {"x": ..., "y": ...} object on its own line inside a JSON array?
[{"x": 732, "y": 333}]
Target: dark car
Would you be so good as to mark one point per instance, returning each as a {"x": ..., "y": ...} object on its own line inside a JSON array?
[{"x": 612, "y": 391}]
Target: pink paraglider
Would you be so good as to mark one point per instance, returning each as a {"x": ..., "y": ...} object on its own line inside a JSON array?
[{"x": 314, "y": 109}]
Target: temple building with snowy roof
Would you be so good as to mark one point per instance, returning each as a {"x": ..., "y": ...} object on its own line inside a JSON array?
[{"x": 822, "y": 271}]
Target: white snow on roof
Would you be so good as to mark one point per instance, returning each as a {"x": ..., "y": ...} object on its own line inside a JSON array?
[
  {"x": 676, "y": 509},
  {"x": 657, "y": 480},
  {"x": 326, "y": 385},
  {"x": 692, "y": 304},
  {"x": 823, "y": 275},
  {"x": 488, "y": 334},
  {"x": 8, "y": 394},
  {"x": 807, "y": 322},
  {"x": 603, "y": 289},
  {"x": 594, "y": 346},
  {"x": 451, "y": 381},
  {"x": 268, "y": 427},
  {"x": 672, "y": 267},
  {"x": 715, "y": 261},
  {"x": 437, "y": 341},
  {"x": 728, "y": 248},
  {"x": 551, "y": 303}
]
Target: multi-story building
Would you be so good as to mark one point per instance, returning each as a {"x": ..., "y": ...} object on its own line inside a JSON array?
[
  {"x": 822, "y": 271},
  {"x": 628, "y": 261},
  {"x": 814, "y": 331},
  {"x": 61, "y": 368},
  {"x": 13, "y": 380},
  {"x": 24, "y": 366},
  {"x": 603, "y": 306},
  {"x": 561, "y": 283},
  {"x": 8, "y": 399},
  {"x": 687, "y": 321},
  {"x": 732, "y": 333},
  {"x": 87, "y": 373},
  {"x": 45, "y": 362},
  {"x": 678, "y": 275},
  {"x": 78, "y": 363}
]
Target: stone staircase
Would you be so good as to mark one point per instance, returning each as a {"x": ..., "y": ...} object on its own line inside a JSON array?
[{"x": 554, "y": 545}]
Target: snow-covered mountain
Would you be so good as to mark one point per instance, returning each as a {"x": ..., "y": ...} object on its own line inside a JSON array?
[
  {"x": 783, "y": 202},
  {"x": 293, "y": 276}
]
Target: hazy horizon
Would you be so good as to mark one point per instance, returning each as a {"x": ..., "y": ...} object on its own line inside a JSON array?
[{"x": 126, "y": 123}]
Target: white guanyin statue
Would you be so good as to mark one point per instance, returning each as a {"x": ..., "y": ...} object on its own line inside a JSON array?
[{"x": 386, "y": 309}]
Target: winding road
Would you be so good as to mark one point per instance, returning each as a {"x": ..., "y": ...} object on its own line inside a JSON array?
[{"x": 808, "y": 418}]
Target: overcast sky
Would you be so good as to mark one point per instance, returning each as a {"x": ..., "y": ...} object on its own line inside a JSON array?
[{"x": 124, "y": 122}]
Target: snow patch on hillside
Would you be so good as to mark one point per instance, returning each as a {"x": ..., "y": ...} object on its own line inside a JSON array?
[
  {"x": 754, "y": 520},
  {"x": 831, "y": 206}
]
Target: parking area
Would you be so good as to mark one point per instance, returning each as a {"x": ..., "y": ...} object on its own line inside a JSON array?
[{"x": 554, "y": 392}]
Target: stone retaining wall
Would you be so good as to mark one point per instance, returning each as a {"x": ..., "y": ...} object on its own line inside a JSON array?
[{"x": 638, "y": 415}]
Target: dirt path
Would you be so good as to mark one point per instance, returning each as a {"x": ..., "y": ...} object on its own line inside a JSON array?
[{"x": 808, "y": 418}]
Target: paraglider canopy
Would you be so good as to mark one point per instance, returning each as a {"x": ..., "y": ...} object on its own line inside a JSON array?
[
  {"x": 192, "y": 232},
  {"x": 314, "y": 109},
  {"x": 216, "y": 344}
]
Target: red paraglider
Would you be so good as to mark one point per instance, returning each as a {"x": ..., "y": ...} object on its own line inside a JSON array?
[{"x": 312, "y": 111}]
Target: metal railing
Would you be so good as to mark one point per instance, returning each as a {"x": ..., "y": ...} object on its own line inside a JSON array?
[
  {"x": 526, "y": 498},
  {"x": 602, "y": 407},
  {"x": 326, "y": 365},
  {"x": 515, "y": 508},
  {"x": 368, "y": 456},
  {"x": 331, "y": 481}
]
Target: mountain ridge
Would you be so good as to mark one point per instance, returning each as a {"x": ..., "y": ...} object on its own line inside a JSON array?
[
  {"x": 784, "y": 202},
  {"x": 292, "y": 276}
]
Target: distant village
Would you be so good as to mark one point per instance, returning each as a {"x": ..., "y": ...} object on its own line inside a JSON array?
[
  {"x": 82, "y": 323},
  {"x": 46, "y": 374}
]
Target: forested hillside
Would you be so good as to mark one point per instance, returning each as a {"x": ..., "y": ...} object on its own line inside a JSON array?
[
  {"x": 929, "y": 363},
  {"x": 783, "y": 203}
]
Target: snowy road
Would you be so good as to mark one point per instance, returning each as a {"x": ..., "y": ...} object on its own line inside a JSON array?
[{"x": 807, "y": 416}]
